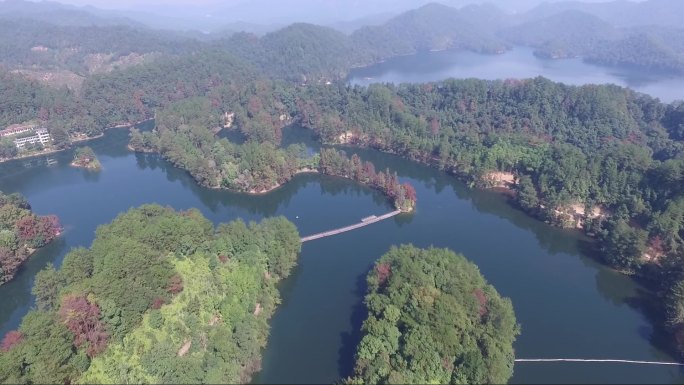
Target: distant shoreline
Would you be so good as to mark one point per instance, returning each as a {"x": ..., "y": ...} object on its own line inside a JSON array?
[{"x": 74, "y": 141}]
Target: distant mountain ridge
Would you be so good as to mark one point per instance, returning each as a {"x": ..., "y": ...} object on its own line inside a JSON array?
[
  {"x": 620, "y": 13},
  {"x": 84, "y": 39},
  {"x": 62, "y": 14},
  {"x": 432, "y": 27}
]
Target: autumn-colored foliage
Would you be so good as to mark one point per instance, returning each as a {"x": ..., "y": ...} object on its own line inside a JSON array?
[
  {"x": 175, "y": 285},
  {"x": 20, "y": 232},
  {"x": 12, "y": 339},
  {"x": 334, "y": 162},
  {"x": 37, "y": 231},
  {"x": 481, "y": 300},
  {"x": 158, "y": 303},
  {"x": 82, "y": 318},
  {"x": 384, "y": 271}
]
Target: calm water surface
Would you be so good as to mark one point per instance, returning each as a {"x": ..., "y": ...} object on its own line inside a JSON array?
[
  {"x": 517, "y": 63},
  {"x": 567, "y": 304}
]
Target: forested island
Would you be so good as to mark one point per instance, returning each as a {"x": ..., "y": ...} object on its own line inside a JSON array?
[
  {"x": 433, "y": 319},
  {"x": 160, "y": 297},
  {"x": 21, "y": 233},
  {"x": 84, "y": 157}
]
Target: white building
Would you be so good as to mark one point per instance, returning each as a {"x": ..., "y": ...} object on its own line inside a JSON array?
[
  {"x": 17, "y": 129},
  {"x": 41, "y": 135}
]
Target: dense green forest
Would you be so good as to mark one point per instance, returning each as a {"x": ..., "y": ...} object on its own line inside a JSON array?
[
  {"x": 21, "y": 233},
  {"x": 160, "y": 297},
  {"x": 433, "y": 319}
]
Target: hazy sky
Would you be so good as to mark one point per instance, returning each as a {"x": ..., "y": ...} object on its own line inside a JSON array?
[
  {"x": 133, "y": 4},
  {"x": 211, "y": 14}
]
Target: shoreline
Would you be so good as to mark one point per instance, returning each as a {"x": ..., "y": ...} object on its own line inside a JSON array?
[
  {"x": 73, "y": 141},
  {"x": 279, "y": 185},
  {"x": 88, "y": 167},
  {"x": 31, "y": 251}
]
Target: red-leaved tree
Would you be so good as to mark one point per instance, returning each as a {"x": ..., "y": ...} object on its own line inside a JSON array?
[
  {"x": 82, "y": 318},
  {"x": 410, "y": 192},
  {"x": 37, "y": 231},
  {"x": 481, "y": 300},
  {"x": 175, "y": 285},
  {"x": 12, "y": 339},
  {"x": 384, "y": 271},
  {"x": 27, "y": 228}
]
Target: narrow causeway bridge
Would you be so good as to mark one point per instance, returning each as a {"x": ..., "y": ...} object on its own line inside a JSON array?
[{"x": 364, "y": 222}]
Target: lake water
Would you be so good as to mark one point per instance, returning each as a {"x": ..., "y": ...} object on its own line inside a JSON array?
[
  {"x": 567, "y": 304},
  {"x": 516, "y": 64}
]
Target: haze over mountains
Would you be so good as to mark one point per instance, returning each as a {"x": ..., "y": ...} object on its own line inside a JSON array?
[
  {"x": 217, "y": 15},
  {"x": 39, "y": 36}
]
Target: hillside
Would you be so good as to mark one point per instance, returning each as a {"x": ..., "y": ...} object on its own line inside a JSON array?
[
  {"x": 648, "y": 50},
  {"x": 31, "y": 44},
  {"x": 432, "y": 27},
  {"x": 296, "y": 51},
  {"x": 620, "y": 13},
  {"x": 61, "y": 14},
  {"x": 566, "y": 34}
]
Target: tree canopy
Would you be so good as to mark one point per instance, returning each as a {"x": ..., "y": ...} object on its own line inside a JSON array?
[
  {"x": 432, "y": 318},
  {"x": 21, "y": 232},
  {"x": 160, "y": 297}
]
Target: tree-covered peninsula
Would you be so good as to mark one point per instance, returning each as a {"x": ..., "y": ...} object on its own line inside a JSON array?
[
  {"x": 432, "y": 318},
  {"x": 160, "y": 297},
  {"x": 185, "y": 135},
  {"x": 21, "y": 233}
]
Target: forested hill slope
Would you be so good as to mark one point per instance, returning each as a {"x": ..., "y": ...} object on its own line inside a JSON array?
[
  {"x": 297, "y": 52},
  {"x": 571, "y": 33},
  {"x": 60, "y": 14},
  {"x": 31, "y": 44},
  {"x": 620, "y": 13},
  {"x": 160, "y": 297},
  {"x": 433, "y": 27},
  {"x": 566, "y": 34}
]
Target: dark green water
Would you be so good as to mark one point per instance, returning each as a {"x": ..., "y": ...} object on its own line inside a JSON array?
[{"x": 568, "y": 305}]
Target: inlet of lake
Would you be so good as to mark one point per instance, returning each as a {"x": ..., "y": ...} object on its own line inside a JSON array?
[
  {"x": 517, "y": 63},
  {"x": 567, "y": 303}
]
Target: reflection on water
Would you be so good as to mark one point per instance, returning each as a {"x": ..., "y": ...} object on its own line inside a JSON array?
[{"x": 567, "y": 303}]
